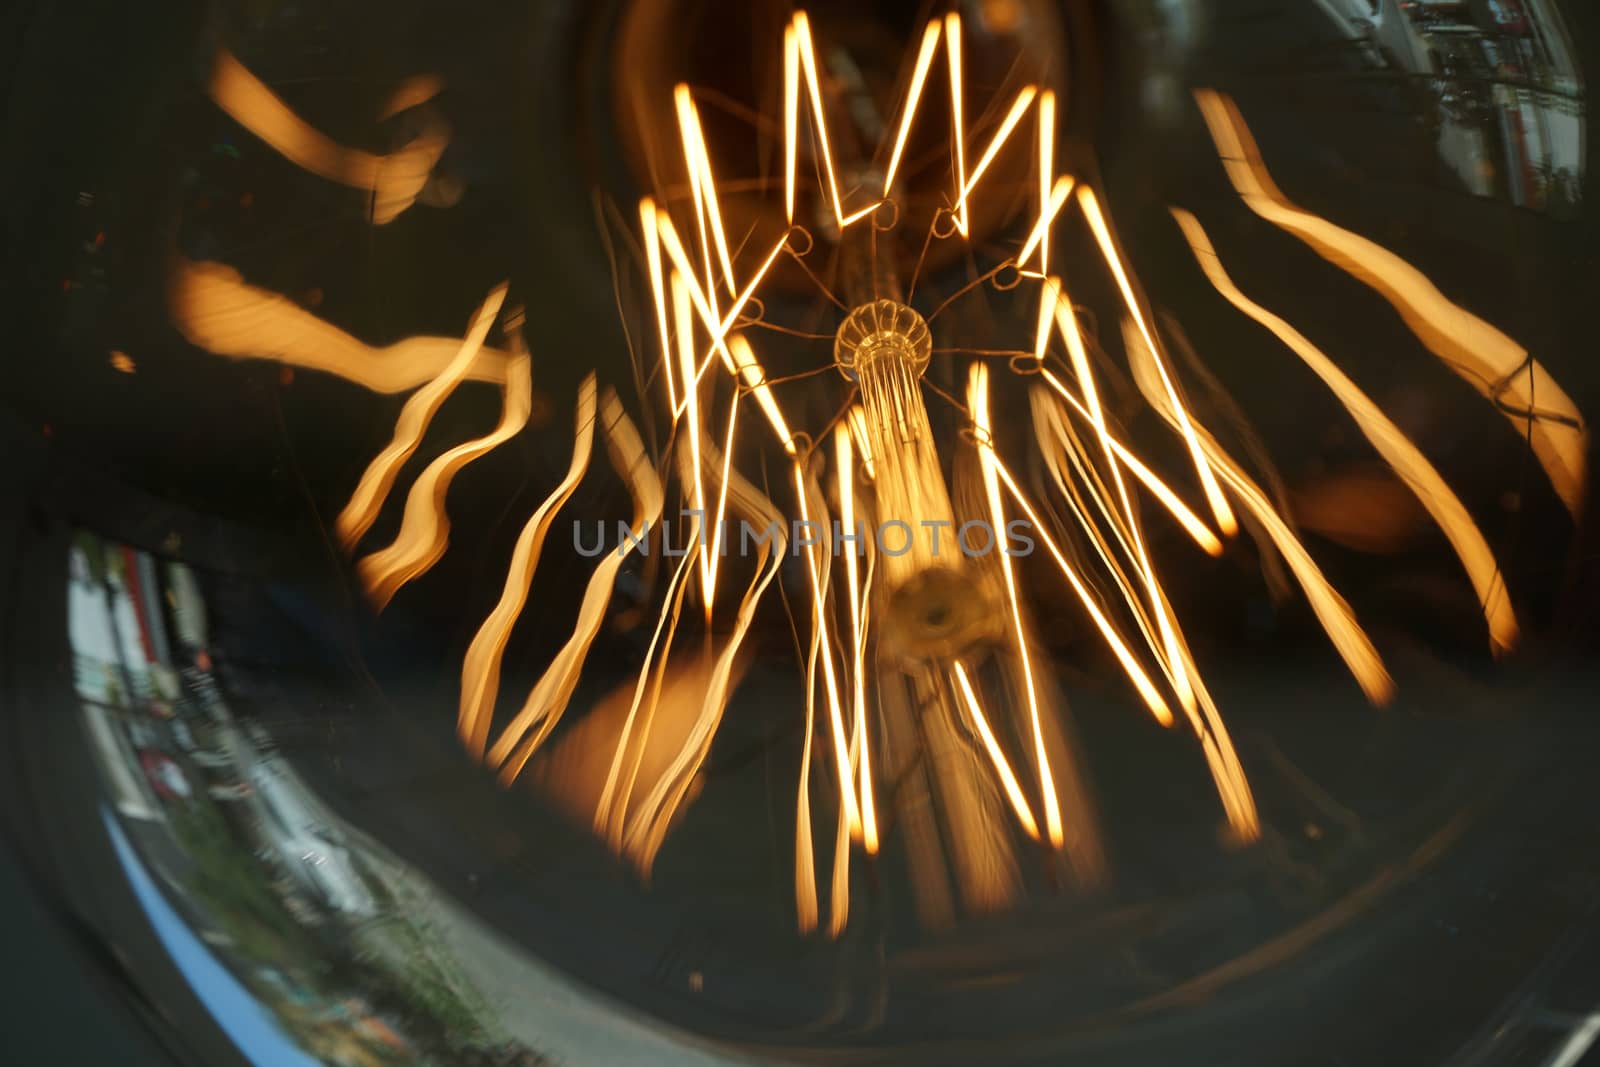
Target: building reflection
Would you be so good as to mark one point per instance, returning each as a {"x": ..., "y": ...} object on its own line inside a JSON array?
[
  {"x": 251, "y": 882},
  {"x": 1502, "y": 83}
]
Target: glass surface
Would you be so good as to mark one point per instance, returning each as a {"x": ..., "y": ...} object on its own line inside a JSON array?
[{"x": 468, "y": 601}]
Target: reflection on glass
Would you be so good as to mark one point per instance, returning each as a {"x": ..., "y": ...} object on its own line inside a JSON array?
[{"x": 290, "y": 925}]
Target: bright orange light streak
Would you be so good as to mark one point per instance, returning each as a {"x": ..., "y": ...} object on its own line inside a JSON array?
[
  {"x": 1208, "y": 480},
  {"x": 667, "y": 795},
  {"x": 754, "y": 378},
  {"x": 839, "y": 898},
  {"x": 611, "y": 811},
  {"x": 1067, "y": 321},
  {"x": 1204, "y": 718},
  {"x": 1407, "y": 460},
  {"x": 425, "y": 526},
  {"x": 413, "y": 92},
  {"x": 1180, "y": 511},
  {"x": 215, "y": 310},
  {"x": 702, "y": 183},
  {"x": 1008, "y": 780},
  {"x": 652, "y": 249},
  {"x": 958, "y": 137},
  {"x": 846, "y": 470},
  {"x": 841, "y": 748},
  {"x": 857, "y": 216},
  {"x": 1049, "y": 293},
  {"x": 376, "y": 481},
  {"x": 805, "y": 864},
  {"x": 701, "y": 300},
  {"x": 1047, "y": 166},
  {"x": 791, "y": 116},
  {"x": 548, "y": 699},
  {"x": 1481, "y": 354},
  {"x": 394, "y": 180},
  {"x": 1019, "y": 107},
  {"x": 858, "y": 433},
  {"x": 1039, "y": 237},
  {"x": 919, "y": 77},
  {"x": 1057, "y": 440},
  {"x": 808, "y": 66},
  {"x": 718, "y": 327},
  {"x": 978, "y": 402},
  {"x": 691, "y": 400},
  {"x": 1331, "y": 609},
  {"x": 1136, "y": 674},
  {"x": 480, "y": 668},
  {"x": 722, "y": 504}
]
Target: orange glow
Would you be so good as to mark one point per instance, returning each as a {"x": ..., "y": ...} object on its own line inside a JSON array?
[
  {"x": 425, "y": 528},
  {"x": 1136, "y": 674},
  {"x": 1008, "y": 779},
  {"x": 714, "y": 551},
  {"x": 1180, "y": 511},
  {"x": 1337, "y": 620},
  {"x": 958, "y": 135},
  {"x": 652, "y": 249},
  {"x": 1047, "y": 167},
  {"x": 1039, "y": 236},
  {"x": 903, "y": 696},
  {"x": 754, "y": 378},
  {"x": 817, "y": 571},
  {"x": 215, "y": 310},
  {"x": 857, "y": 419},
  {"x": 548, "y": 699},
  {"x": 480, "y": 669},
  {"x": 978, "y": 402},
  {"x": 394, "y": 180},
  {"x": 1068, "y": 323},
  {"x": 1406, "y": 459},
  {"x": 808, "y": 67},
  {"x": 612, "y": 807},
  {"x": 805, "y": 866},
  {"x": 578, "y": 766},
  {"x": 413, "y": 92},
  {"x": 684, "y": 322},
  {"x": 1208, "y": 480},
  {"x": 1485, "y": 357},
  {"x": 664, "y": 800},
  {"x": 845, "y": 469},
  {"x": 919, "y": 78},
  {"x": 1201, "y": 711},
  {"x": 1060, "y": 446},
  {"x": 370, "y": 493},
  {"x": 1049, "y": 294},
  {"x": 702, "y": 183},
  {"x": 702, "y": 301},
  {"x": 791, "y": 116},
  {"x": 1019, "y": 107}
]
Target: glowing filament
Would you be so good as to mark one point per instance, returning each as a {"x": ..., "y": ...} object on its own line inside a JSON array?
[
  {"x": 1208, "y": 480},
  {"x": 1407, "y": 460},
  {"x": 841, "y": 747},
  {"x": 754, "y": 378},
  {"x": 1008, "y": 778},
  {"x": 702, "y": 184},
  {"x": 978, "y": 401},
  {"x": 845, "y": 464},
  {"x": 1483, "y": 356},
  {"x": 919, "y": 78},
  {"x": 1019, "y": 107}
]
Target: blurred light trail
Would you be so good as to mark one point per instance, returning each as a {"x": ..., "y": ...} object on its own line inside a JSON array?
[
  {"x": 394, "y": 180},
  {"x": 1483, "y": 356}
]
